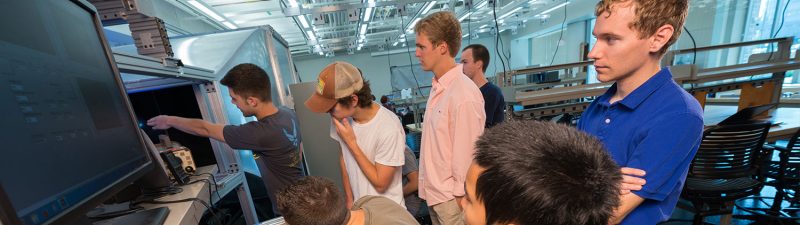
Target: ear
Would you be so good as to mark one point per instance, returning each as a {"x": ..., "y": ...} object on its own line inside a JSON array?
[
  {"x": 442, "y": 48},
  {"x": 661, "y": 37},
  {"x": 354, "y": 100},
  {"x": 252, "y": 101}
]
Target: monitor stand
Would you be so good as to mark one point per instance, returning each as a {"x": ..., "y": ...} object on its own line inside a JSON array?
[{"x": 155, "y": 216}]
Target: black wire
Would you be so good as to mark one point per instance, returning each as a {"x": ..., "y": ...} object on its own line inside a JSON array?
[
  {"x": 210, "y": 193},
  {"x": 783, "y": 18},
  {"x": 469, "y": 24},
  {"x": 215, "y": 183},
  {"x": 410, "y": 62},
  {"x": 497, "y": 37},
  {"x": 694, "y": 45},
  {"x": 560, "y": 36}
]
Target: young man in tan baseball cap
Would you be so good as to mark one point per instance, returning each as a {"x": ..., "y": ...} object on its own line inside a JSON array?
[{"x": 370, "y": 136}]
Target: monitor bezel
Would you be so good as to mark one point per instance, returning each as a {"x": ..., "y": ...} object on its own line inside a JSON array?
[{"x": 8, "y": 214}]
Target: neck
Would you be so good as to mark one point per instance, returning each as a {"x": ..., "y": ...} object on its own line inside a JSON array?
[
  {"x": 480, "y": 79},
  {"x": 442, "y": 67},
  {"x": 356, "y": 217},
  {"x": 364, "y": 115},
  {"x": 266, "y": 109},
  {"x": 631, "y": 82}
]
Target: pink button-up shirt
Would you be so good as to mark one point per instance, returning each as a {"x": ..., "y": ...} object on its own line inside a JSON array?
[{"x": 454, "y": 119}]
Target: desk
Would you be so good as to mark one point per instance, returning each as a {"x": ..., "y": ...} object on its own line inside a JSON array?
[
  {"x": 190, "y": 213},
  {"x": 789, "y": 116}
]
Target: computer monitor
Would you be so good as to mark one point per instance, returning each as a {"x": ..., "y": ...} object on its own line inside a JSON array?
[{"x": 69, "y": 136}]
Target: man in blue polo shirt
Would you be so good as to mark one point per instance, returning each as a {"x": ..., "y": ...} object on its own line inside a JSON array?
[{"x": 645, "y": 120}]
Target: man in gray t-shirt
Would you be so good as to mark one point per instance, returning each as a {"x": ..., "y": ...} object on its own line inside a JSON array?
[
  {"x": 274, "y": 138},
  {"x": 414, "y": 204}
]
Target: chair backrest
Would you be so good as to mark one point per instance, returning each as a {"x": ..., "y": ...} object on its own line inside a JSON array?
[
  {"x": 729, "y": 151},
  {"x": 794, "y": 152}
]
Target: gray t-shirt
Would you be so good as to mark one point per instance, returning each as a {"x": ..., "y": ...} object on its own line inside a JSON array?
[
  {"x": 413, "y": 202},
  {"x": 275, "y": 140},
  {"x": 380, "y": 210}
]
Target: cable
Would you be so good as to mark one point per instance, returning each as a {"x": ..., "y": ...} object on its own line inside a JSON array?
[
  {"x": 497, "y": 37},
  {"x": 209, "y": 186},
  {"x": 410, "y": 62},
  {"x": 694, "y": 45},
  {"x": 215, "y": 183},
  {"x": 783, "y": 18},
  {"x": 469, "y": 25},
  {"x": 560, "y": 36}
]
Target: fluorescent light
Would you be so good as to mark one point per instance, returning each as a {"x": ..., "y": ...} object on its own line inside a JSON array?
[
  {"x": 229, "y": 25},
  {"x": 206, "y": 10},
  {"x": 464, "y": 16},
  {"x": 395, "y": 43},
  {"x": 363, "y": 31},
  {"x": 303, "y": 21},
  {"x": 480, "y": 6},
  {"x": 367, "y": 14},
  {"x": 428, "y": 7},
  {"x": 554, "y": 8},
  {"x": 411, "y": 25},
  {"x": 311, "y": 35},
  {"x": 293, "y": 3},
  {"x": 509, "y": 13},
  {"x": 485, "y": 25},
  {"x": 465, "y": 35}
]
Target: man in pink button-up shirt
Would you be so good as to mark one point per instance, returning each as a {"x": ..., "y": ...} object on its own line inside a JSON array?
[{"x": 454, "y": 118}]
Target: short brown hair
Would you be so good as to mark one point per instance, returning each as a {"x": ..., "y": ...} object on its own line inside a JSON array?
[
  {"x": 312, "y": 201},
  {"x": 441, "y": 27},
  {"x": 364, "y": 96},
  {"x": 479, "y": 53},
  {"x": 651, "y": 15},
  {"x": 249, "y": 80}
]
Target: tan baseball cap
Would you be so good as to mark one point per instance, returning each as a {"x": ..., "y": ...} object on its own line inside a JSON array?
[{"x": 337, "y": 80}]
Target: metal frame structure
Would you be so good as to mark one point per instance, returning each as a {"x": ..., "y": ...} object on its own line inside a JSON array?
[{"x": 699, "y": 82}]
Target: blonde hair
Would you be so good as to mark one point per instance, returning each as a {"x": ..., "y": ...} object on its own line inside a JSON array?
[
  {"x": 651, "y": 15},
  {"x": 441, "y": 27}
]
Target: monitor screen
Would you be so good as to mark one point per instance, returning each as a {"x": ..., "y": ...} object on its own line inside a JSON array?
[{"x": 68, "y": 132}]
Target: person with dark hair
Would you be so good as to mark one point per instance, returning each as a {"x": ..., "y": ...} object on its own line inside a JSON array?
[
  {"x": 317, "y": 201},
  {"x": 632, "y": 38},
  {"x": 371, "y": 137},
  {"x": 475, "y": 60},
  {"x": 454, "y": 118},
  {"x": 532, "y": 172},
  {"x": 274, "y": 137}
]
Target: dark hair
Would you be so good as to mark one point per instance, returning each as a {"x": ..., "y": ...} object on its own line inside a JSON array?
[
  {"x": 479, "y": 53},
  {"x": 312, "y": 201},
  {"x": 545, "y": 173},
  {"x": 249, "y": 80},
  {"x": 364, "y": 96}
]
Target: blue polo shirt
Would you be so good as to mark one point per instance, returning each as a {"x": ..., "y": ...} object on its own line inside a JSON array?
[{"x": 656, "y": 128}]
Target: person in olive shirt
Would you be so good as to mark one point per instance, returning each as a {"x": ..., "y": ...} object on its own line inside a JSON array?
[{"x": 317, "y": 201}]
